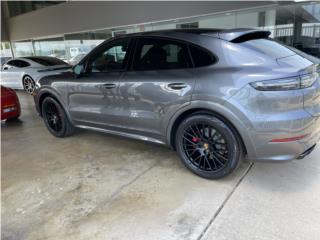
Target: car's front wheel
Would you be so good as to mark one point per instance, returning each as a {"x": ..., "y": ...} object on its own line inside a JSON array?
[
  {"x": 28, "y": 84},
  {"x": 55, "y": 118},
  {"x": 208, "y": 146}
]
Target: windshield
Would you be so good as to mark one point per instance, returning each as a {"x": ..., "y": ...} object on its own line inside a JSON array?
[{"x": 268, "y": 47}]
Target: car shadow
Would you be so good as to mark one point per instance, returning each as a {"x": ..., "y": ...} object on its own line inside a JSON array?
[{"x": 11, "y": 123}]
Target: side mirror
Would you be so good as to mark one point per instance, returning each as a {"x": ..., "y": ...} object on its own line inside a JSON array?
[{"x": 78, "y": 70}]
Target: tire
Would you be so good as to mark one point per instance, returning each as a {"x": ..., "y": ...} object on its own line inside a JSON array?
[
  {"x": 55, "y": 118},
  {"x": 201, "y": 139},
  {"x": 28, "y": 84}
]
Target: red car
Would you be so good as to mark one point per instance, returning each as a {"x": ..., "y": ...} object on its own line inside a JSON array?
[{"x": 10, "y": 105}]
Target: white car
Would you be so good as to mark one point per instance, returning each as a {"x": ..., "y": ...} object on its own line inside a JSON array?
[{"x": 24, "y": 72}]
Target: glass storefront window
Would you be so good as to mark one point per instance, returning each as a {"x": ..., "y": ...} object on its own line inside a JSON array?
[
  {"x": 5, "y": 53},
  {"x": 79, "y": 44},
  {"x": 307, "y": 29},
  {"x": 225, "y": 20},
  {"x": 23, "y": 48},
  {"x": 52, "y": 47}
]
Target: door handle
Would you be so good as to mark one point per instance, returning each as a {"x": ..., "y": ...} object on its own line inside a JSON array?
[
  {"x": 177, "y": 86},
  {"x": 109, "y": 85}
]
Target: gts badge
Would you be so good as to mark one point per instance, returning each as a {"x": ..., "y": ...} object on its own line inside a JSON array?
[{"x": 134, "y": 114}]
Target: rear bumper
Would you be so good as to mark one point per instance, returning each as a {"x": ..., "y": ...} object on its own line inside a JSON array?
[
  {"x": 10, "y": 111},
  {"x": 280, "y": 116},
  {"x": 284, "y": 151}
]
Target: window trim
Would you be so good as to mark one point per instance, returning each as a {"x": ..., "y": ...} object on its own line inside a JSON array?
[
  {"x": 213, "y": 56},
  {"x": 134, "y": 55},
  {"x": 103, "y": 46}
]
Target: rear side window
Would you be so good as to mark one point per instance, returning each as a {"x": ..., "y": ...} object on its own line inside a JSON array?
[
  {"x": 268, "y": 47},
  {"x": 201, "y": 57},
  {"x": 22, "y": 63},
  {"x": 11, "y": 63},
  {"x": 154, "y": 54},
  {"x": 18, "y": 63}
]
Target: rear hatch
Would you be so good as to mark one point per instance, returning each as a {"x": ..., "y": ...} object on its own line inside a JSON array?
[
  {"x": 307, "y": 68},
  {"x": 291, "y": 61}
]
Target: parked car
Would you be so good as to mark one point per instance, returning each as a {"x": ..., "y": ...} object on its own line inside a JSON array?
[
  {"x": 24, "y": 72},
  {"x": 215, "y": 96},
  {"x": 10, "y": 105}
]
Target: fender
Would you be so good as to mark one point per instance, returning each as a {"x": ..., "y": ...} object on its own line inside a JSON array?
[
  {"x": 242, "y": 124},
  {"x": 46, "y": 90}
]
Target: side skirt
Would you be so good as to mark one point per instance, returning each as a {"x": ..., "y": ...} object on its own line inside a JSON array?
[{"x": 123, "y": 134}]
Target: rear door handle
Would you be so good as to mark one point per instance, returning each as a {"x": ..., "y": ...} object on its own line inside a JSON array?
[
  {"x": 177, "y": 86},
  {"x": 109, "y": 85}
]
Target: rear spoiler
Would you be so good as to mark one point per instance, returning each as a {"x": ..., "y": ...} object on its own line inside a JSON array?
[{"x": 240, "y": 35}]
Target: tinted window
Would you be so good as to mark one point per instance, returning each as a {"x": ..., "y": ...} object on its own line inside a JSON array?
[
  {"x": 155, "y": 54},
  {"x": 111, "y": 58},
  {"x": 22, "y": 63},
  {"x": 47, "y": 61},
  {"x": 201, "y": 57},
  {"x": 11, "y": 63},
  {"x": 18, "y": 63},
  {"x": 269, "y": 47}
]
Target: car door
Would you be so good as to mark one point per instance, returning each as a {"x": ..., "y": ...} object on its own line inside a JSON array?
[
  {"x": 11, "y": 74},
  {"x": 93, "y": 99},
  {"x": 160, "y": 81}
]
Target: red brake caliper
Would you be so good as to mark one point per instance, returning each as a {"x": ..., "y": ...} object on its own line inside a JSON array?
[{"x": 194, "y": 139}]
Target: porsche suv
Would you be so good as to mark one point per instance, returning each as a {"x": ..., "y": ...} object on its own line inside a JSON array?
[{"x": 215, "y": 96}]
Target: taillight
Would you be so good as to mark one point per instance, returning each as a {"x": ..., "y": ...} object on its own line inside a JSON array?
[
  {"x": 283, "y": 84},
  {"x": 309, "y": 80}
]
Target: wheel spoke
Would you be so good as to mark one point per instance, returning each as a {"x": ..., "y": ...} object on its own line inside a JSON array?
[
  {"x": 209, "y": 152},
  {"x": 217, "y": 160},
  {"x": 195, "y": 133},
  {"x": 189, "y": 140},
  {"x": 53, "y": 117},
  {"x": 190, "y": 134},
  {"x": 208, "y": 162}
]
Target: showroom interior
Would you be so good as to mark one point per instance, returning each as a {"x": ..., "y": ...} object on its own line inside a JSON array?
[{"x": 93, "y": 185}]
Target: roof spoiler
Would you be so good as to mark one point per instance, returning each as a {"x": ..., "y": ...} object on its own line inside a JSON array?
[{"x": 240, "y": 35}]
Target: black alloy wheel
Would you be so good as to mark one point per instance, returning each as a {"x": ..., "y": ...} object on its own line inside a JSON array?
[
  {"x": 207, "y": 146},
  {"x": 55, "y": 118}
]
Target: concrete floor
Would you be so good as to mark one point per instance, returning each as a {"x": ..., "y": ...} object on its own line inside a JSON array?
[{"x": 96, "y": 186}]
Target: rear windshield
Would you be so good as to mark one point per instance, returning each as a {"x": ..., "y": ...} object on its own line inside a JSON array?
[
  {"x": 47, "y": 61},
  {"x": 269, "y": 47}
]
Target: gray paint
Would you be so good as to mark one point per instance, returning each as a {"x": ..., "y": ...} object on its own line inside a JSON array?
[
  {"x": 142, "y": 104},
  {"x": 82, "y": 16}
]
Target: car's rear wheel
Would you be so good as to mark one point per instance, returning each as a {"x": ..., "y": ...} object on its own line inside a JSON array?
[
  {"x": 55, "y": 118},
  {"x": 28, "y": 84},
  {"x": 208, "y": 146}
]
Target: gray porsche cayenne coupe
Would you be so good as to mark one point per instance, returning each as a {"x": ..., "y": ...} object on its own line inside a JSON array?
[{"x": 215, "y": 96}]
